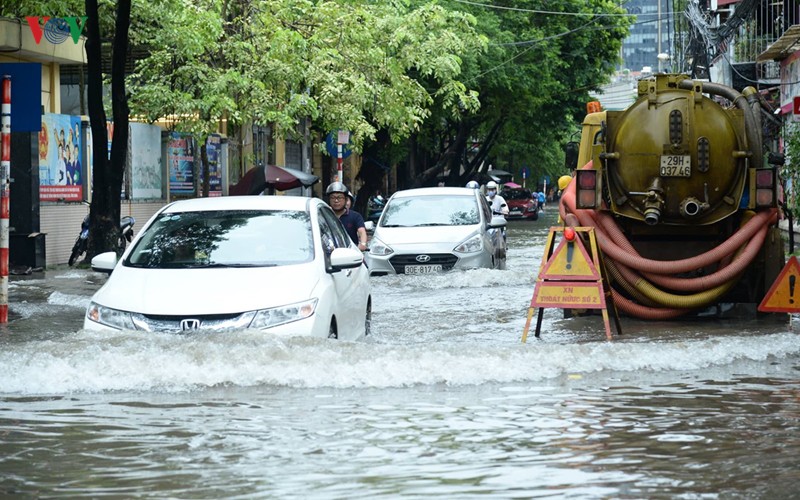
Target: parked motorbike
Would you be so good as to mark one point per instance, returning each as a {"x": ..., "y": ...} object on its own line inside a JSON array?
[
  {"x": 79, "y": 248},
  {"x": 375, "y": 206}
]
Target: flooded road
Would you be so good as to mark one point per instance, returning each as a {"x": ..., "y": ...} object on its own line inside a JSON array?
[{"x": 442, "y": 399}]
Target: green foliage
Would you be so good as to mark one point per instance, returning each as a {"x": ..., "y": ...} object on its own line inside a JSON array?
[
  {"x": 790, "y": 172},
  {"x": 445, "y": 72},
  {"x": 533, "y": 81},
  {"x": 53, "y": 8},
  {"x": 346, "y": 64}
]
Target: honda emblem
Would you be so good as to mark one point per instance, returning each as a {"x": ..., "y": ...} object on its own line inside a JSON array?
[{"x": 190, "y": 324}]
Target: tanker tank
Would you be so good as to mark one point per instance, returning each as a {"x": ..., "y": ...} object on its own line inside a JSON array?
[{"x": 684, "y": 205}]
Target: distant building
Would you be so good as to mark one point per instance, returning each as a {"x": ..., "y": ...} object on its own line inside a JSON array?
[
  {"x": 619, "y": 94},
  {"x": 650, "y": 35}
]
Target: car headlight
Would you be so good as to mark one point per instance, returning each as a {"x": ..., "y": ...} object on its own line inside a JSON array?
[
  {"x": 110, "y": 317},
  {"x": 267, "y": 318},
  {"x": 470, "y": 245},
  {"x": 377, "y": 247}
]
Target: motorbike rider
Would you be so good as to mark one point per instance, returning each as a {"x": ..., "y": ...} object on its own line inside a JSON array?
[
  {"x": 473, "y": 185},
  {"x": 353, "y": 221},
  {"x": 497, "y": 202}
]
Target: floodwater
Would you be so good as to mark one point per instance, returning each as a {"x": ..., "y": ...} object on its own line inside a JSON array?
[{"x": 442, "y": 400}]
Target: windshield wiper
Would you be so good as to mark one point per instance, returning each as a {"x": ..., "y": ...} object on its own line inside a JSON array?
[{"x": 220, "y": 264}]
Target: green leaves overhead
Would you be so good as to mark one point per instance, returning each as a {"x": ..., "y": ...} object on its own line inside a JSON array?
[
  {"x": 346, "y": 64},
  {"x": 512, "y": 75}
]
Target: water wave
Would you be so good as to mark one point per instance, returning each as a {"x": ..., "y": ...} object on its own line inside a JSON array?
[
  {"x": 67, "y": 299},
  {"x": 133, "y": 361}
]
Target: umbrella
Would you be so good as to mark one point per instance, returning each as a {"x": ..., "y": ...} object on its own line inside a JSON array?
[
  {"x": 257, "y": 179},
  {"x": 512, "y": 185}
]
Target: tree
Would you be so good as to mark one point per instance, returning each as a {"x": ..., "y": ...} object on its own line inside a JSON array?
[
  {"x": 107, "y": 175},
  {"x": 344, "y": 64},
  {"x": 532, "y": 84}
]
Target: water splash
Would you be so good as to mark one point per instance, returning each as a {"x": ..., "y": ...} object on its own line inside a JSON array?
[{"x": 132, "y": 361}]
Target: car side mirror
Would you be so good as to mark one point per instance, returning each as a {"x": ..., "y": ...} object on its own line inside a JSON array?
[
  {"x": 105, "y": 262},
  {"x": 369, "y": 225},
  {"x": 571, "y": 152},
  {"x": 345, "y": 258}
]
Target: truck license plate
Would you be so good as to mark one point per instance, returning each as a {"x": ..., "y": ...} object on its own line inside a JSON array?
[
  {"x": 424, "y": 269},
  {"x": 676, "y": 166}
]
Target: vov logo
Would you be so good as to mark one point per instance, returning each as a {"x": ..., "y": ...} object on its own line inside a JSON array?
[{"x": 56, "y": 29}]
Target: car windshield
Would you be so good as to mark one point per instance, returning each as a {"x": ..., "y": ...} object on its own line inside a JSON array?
[
  {"x": 436, "y": 210},
  {"x": 517, "y": 194},
  {"x": 242, "y": 238}
]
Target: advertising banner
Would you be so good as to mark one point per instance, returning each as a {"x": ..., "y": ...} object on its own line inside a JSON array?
[
  {"x": 146, "y": 173},
  {"x": 214, "y": 151},
  {"x": 180, "y": 161},
  {"x": 60, "y": 152}
]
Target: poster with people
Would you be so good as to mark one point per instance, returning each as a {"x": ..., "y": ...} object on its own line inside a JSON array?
[
  {"x": 60, "y": 153},
  {"x": 145, "y": 160},
  {"x": 180, "y": 161}
]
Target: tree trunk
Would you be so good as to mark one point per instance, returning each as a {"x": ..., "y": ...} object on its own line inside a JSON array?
[
  {"x": 373, "y": 170},
  {"x": 104, "y": 234}
]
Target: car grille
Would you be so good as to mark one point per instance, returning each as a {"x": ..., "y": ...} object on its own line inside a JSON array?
[
  {"x": 399, "y": 262},
  {"x": 188, "y": 324}
]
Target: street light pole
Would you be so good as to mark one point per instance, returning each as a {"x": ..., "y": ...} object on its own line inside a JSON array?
[{"x": 662, "y": 57}]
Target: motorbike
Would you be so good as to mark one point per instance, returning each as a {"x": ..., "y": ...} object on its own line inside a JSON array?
[
  {"x": 79, "y": 248},
  {"x": 375, "y": 206}
]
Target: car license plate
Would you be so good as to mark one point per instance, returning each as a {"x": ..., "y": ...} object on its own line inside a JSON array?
[
  {"x": 424, "y": 269},
  {"x": 676, "y": 166}
]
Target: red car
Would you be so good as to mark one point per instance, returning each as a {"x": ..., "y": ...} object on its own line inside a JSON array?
[{"x": 521, "y": 204}]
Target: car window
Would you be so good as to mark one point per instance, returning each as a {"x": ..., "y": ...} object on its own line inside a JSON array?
[
  {"x": 337, "y": 231},
  {"x": 517, "y": 194},
  {"x": 487, "y": 210},
  {"x": 436, "y": 210},
  {"x": 230, "y": 238},
  {"x": 326, "y": 236}
]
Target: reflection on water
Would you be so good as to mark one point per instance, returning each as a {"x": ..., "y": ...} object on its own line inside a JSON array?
[{"x": 443, "y": 399}]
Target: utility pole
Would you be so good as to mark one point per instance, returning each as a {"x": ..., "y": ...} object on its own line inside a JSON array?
[
  {"x": 305, "y": 153},
  {"x": 658, "y": 24}
]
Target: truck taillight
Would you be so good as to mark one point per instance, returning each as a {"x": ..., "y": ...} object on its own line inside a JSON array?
[
  {"x": 586, "y": 188},
  {"x": 765, "y": 187}
]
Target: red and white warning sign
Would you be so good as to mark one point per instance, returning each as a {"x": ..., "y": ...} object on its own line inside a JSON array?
[{"x": 784, "y": 295}]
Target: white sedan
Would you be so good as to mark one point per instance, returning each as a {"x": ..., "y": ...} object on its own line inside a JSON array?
[
  {"x": 434, "y": 229},
  {"x": 282, "y": 264}
]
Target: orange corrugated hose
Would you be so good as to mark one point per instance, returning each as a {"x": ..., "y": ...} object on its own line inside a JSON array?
[{"x": 742, "y": 246}]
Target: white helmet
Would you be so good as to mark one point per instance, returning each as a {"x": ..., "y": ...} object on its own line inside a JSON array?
[
  {"x": 491, "y": 189},
  {"x": 473, "y": 185}
]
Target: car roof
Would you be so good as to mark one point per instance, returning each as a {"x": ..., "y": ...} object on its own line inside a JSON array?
[
  {"x": 268, "y": 202},
  {"x": 435, "y": 191}
]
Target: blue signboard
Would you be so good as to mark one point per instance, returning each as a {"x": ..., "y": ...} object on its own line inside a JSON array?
[
  {"x": 333, "y": 147},
  {"x": 26, "y": 95},
  {"x": 526, "y": 172}
]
